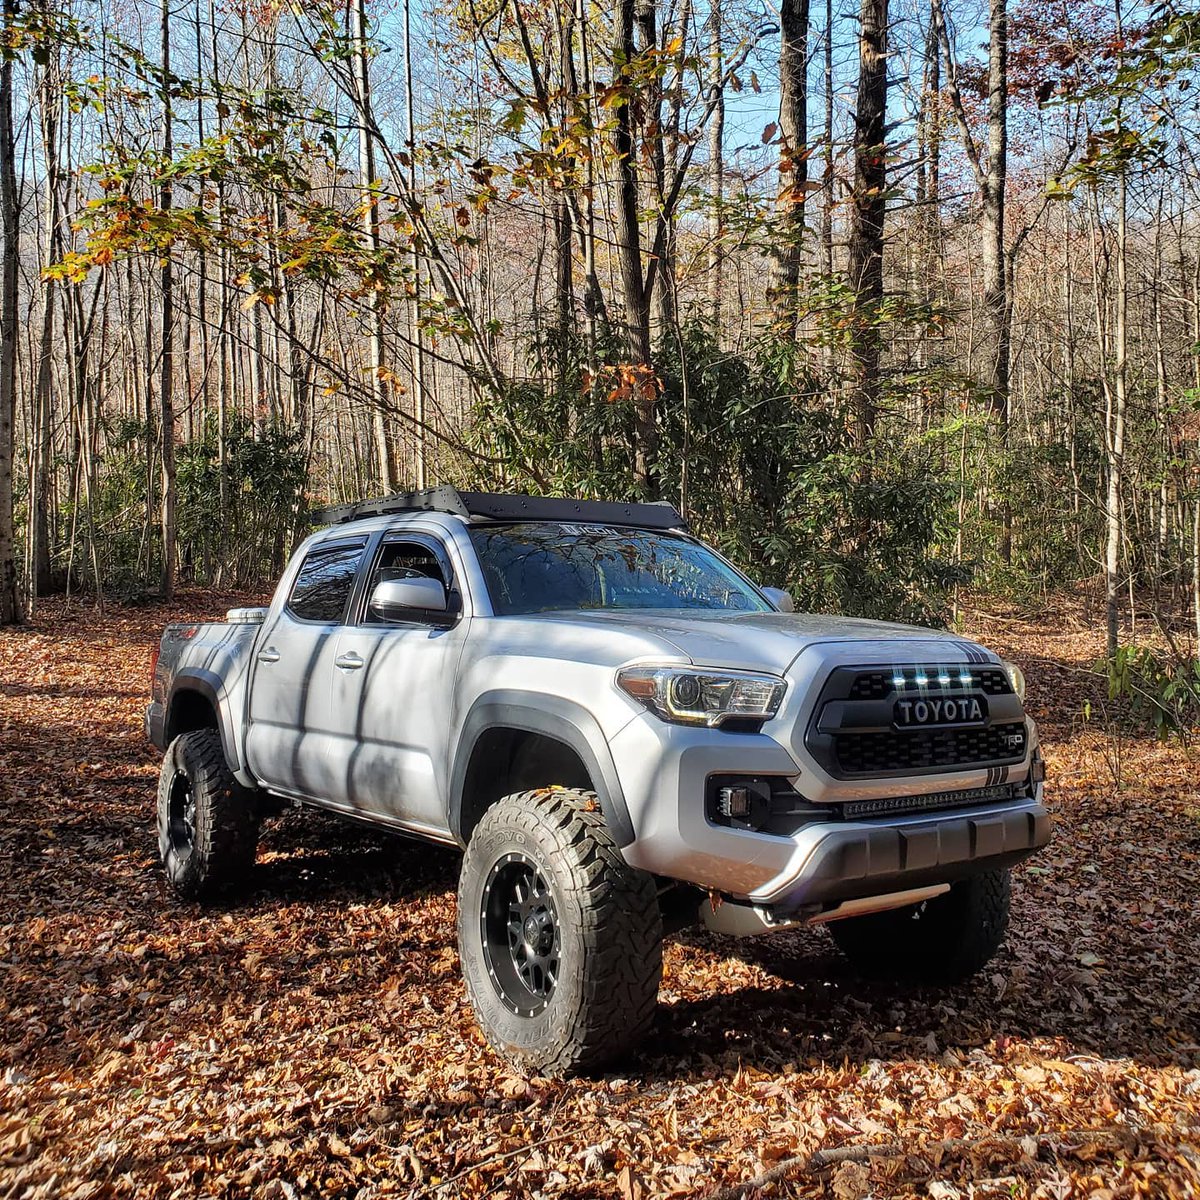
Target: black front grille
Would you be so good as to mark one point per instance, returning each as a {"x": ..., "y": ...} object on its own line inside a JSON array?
[
  {"x": 939, "y": 677},
  {"x": 892, "y": 752}
]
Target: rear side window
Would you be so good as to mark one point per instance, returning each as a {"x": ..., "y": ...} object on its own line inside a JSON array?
[{"x": 325, "y": 581}]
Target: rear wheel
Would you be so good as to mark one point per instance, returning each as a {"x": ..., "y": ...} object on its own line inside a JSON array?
[
  {"x": 207, "y": 822},
  {"x": 560, "y": 939},
  {"x": 944, "y": 939}
]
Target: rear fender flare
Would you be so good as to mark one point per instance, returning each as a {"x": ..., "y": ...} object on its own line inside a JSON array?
[{"x": 209, "y": 685}]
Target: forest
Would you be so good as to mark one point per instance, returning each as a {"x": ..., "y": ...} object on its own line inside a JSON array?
[
  {"x": 889, "y": 302},
  {"x": 897, "y": 301}
]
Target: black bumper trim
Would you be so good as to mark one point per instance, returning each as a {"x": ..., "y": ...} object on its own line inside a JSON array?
[{"x": 850, "y": 863}]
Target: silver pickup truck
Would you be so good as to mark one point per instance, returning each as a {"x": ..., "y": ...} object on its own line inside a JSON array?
[{"x": 625, "y": 735}]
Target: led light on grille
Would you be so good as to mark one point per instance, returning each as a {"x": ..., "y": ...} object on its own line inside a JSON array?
[
  {"x": 703, "y": 695},
  {"x": 891, "y": 805}
]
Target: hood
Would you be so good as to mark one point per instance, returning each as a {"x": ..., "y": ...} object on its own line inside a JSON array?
[{"x": 756, "y": 641}]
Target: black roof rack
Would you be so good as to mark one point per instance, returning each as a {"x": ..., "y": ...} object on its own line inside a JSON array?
[{"x": 484, "y": 505}]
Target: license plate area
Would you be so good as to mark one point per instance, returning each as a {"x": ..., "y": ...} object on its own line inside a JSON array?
[{"x": 940, "y": 712}]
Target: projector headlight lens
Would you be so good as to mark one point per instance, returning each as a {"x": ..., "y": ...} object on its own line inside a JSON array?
[{"x": 701, "y": 695}]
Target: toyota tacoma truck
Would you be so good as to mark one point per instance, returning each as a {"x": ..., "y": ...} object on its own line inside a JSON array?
[{"x": 623, "y": 733}]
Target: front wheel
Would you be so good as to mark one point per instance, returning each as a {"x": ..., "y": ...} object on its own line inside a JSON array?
[
  {"x": 207, "y": 822},
  {"x": 942, "y": 940},
  {"x": 560, "y": 939}
]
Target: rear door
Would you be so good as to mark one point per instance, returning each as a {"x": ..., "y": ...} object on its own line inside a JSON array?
[
  {"x": 392, "y": 694},
  {"x": 290, "y": 717}
]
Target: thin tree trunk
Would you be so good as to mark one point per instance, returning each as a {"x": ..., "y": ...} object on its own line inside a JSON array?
[
  {"x": 167, "y": 344},
  {"x": 793, "y": 162},
  {"x": 1113, "y": 522},
  {"x": 370, "y": 223},
  {"x": 716, "y": 174},
  {"x": 1113, "y": 515},
  {"x": 419, "y": 399},
  {"x": 653, "y": 149},
  {"x": 10, "y": 598},
  {"x": 629, "y": 253},
  {"x": 992, "y": 186},
  {"x": 997, "y": 302},
  {"x": 827, "y": 174},
  {"x": 49, "y": 99},
  {"x": 865, "y": 251}
]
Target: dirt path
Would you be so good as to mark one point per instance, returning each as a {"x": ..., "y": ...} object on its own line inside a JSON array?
[{"x": 315, "y": 1040}]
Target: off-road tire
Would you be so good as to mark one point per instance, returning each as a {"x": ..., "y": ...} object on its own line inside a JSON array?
[
  {"x": 942, "y": 940},
  {"x": 609, "y": 934},
  {"x": 208, "y": 850}
]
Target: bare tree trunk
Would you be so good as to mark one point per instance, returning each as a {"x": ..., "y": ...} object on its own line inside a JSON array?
[
  {"x": 226, "y": 352},
  {"x": 10, "y": 598},
  {"x": 419, "y": 400},
  {"x": 650, "y": 95},
  {"x": 865, "y": 252},
  {"x": 167, "y": 343},
  {"x": 793, "y": 161},
  {"x": 1161, "y": 389},
  {"x": 827, "y": 174},
  {"x": 716, "y": 173},
  {"x": 1113, "y": 516},
  {"x": 370, "y": 222},
  {"x": 593, "y": 300},
  {"x": 996, "y": 303},
  {"x": 629, "y": 253},
  {"x": 49, "y": 96},
  {"x": 991, "y": 175},
  {"x": 667, "y": 169}
]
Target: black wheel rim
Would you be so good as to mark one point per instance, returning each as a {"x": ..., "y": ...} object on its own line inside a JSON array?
[
  {"x": 521, "y": 938},
  {"x": 181, "y": 815}
]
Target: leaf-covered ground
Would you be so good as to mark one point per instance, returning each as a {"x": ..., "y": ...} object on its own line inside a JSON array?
[{"x": 315, "y": 1041}]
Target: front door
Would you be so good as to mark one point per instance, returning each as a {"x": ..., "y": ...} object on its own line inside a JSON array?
[{"x": 392, "y": 695}]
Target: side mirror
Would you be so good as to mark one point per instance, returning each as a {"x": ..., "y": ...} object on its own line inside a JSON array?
[
  {"x": 407, "y": 599},
  {"x": 781, "y": 599}
]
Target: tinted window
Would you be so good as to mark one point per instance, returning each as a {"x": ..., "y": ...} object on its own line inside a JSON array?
[
  {"x": 324, "y": 583},
  {"x": 536, "y": 568}
]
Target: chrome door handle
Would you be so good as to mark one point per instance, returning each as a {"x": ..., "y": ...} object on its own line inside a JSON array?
[
  {"x": 269, "y": 655},
  {"x": 348, "y": 661}
]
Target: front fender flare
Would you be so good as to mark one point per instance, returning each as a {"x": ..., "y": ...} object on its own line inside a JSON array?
[{"x": 569, "y": 723}]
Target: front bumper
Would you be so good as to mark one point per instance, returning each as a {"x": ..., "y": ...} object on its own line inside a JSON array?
[
  {"x": 664, "y": 771},
  {"x": 849, "y": 860}
]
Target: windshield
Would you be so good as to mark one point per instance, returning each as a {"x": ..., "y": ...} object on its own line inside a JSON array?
[{"x": 547, "y": 566}]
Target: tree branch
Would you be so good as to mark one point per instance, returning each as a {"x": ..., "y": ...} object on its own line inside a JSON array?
[{"x": 1066, "y": 1142}]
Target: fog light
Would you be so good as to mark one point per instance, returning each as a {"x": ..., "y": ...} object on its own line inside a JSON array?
[
  {"x": 734, "y": 802},
  {"x": 1037, "y": 768}
]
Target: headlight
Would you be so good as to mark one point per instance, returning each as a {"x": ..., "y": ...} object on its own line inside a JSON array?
[
  {"x": 1018, "y": 679},
  {"x": 701, "y": 696}
]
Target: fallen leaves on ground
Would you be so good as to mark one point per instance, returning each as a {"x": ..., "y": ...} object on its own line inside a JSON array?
[{"x": 315, "y": 1040}]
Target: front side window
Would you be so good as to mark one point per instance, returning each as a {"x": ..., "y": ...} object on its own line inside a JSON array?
[
  {"x": 546, "y": 566},
  {"x": 406, "y": 560},
  {"x": 325, "y": 582}
]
